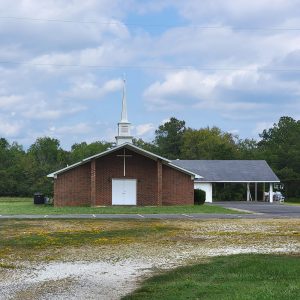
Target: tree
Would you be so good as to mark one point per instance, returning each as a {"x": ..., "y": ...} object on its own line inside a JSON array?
[
  {"x": 84, "y": 150},
  {"x": 247, "y": 149},
  {"x": 146, "y": 146},
  {"x": 47, "y": 152},
  {"x": 44, "y": 157},
  {"x": 11, "y": 169},
  {"x": 169, "y": 138},
  {"x": 280, "y": 145},
  {"x": 208, "y": 143}
]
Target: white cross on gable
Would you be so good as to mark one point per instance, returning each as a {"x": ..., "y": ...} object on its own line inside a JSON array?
[{"x": 124, "y": 155}]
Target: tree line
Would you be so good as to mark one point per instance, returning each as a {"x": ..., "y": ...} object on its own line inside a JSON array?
[{"x": 23, "y": 172}]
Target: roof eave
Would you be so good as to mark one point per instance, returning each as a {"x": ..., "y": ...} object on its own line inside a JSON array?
[{"x": 184, "y": 170}]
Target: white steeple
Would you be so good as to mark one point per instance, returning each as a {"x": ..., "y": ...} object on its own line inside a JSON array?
[
  {"x": 124, "y": 126},
  {"x": 124, "y": 117}
]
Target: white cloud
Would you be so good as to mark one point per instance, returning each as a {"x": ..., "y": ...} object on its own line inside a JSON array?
[
  {"x": 144, "y": 129},
  {"x": 261, "y": 126},
  {"x": 164, "y": 121},
  {"x": 88, "y": 88},
  {"x": 9, "y": 129},
  {"x": 80, "y": 128},
  {"x": 9, "y": 102},
  {"x": 242, "y": 11},
  {"x": 42, "y": 110},
  {"x": 234, "y": 131},
  {"x": 192, "y": 88}
]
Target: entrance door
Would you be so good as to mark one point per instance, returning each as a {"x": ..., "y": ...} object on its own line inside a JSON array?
[{"x": 124, "y": 192}]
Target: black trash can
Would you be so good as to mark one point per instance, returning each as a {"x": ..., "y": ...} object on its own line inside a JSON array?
[{"x": 39, "y": 198}]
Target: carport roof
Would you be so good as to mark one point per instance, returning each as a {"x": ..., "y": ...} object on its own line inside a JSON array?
[{"x": 229, "y": 170}]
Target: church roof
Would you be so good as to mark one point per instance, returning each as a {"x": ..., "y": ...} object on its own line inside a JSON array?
[
  {"x": 229, "y": 170},
  {"x": 130, "y": 147}
]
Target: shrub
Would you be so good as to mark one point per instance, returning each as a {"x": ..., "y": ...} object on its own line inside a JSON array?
[{"x": 199, "y": 197}]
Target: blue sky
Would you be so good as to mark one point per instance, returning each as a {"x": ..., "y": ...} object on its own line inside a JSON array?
[{"x": 232, "y": 64}]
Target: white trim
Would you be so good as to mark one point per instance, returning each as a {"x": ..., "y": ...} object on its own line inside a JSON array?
[{"x": 54, "y": 174}]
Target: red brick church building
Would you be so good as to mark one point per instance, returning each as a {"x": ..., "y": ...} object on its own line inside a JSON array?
[{"x": 123, "y": 175}]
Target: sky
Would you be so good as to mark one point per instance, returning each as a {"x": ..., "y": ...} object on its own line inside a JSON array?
[{"x": 231, "y": 64}]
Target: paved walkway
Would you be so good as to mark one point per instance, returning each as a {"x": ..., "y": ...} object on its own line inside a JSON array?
[{"x": 257, "y": 210}]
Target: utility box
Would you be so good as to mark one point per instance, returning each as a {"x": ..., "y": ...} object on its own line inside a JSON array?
[{"x": 39, "y": 198}]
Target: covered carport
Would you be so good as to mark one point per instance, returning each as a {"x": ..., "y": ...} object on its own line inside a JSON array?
[{"x": 248, "y": 172}]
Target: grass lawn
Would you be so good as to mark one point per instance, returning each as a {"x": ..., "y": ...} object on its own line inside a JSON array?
[
  {"x": 20, "y": 236},
  {"x": 15, "y": 206},
  {"x": 292, "y": 201},
  {"x": 232, "y": 277}
]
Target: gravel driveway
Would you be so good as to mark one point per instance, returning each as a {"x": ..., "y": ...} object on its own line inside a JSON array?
[{"x": 111, "y": 270}]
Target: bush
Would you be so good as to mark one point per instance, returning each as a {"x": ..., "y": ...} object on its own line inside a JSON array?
[{"x": 199, "y": 197}]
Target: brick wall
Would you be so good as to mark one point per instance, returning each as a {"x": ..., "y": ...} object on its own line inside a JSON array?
[
  {"x": 178, "y": 187},
  {"x": 73, "y": 187},
  {"x": 137, "y": 167}
]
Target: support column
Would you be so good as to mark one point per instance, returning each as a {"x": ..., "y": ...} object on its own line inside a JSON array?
[
  {"x": 271, "y": 193},
  {"x": 248, "y": 191},
  {"x": 209, "y": 193},
  {"x": 255, "y": 191},
  {"x": 93, "y": 182},
  {"x": 159, "y": 183}
]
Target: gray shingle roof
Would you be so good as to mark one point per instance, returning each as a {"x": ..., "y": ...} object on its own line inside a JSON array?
[{"x": 229, "y": 170}]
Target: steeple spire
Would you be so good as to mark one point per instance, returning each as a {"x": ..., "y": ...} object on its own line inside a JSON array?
[
  {"x": 124, "y": 117},
  {"x": 124, "y": 126}
]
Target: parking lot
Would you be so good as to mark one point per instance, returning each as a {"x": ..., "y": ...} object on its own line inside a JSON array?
[{"x": 270, "y": 209}]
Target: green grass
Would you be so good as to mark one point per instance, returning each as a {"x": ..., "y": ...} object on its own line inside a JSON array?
[
  {"x": 237, "y": 277},
  {"x": 295, "y": 201},
  {"x": 7, "y": 266},
  {"x": 16, "y": 206},
  {"x": 57, "y": 239}
]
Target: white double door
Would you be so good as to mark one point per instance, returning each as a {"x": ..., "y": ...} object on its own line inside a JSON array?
[{"x": 124, "y": 192}]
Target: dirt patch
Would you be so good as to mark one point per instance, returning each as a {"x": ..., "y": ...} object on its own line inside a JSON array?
[{"x": 110, "y": 268}]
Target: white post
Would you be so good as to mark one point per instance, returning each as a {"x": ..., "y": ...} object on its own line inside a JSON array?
[
  {"x": 209, "y": 193},
  {"x": 255, "y": 191},
  {"x": 248, "y": 191},
  {"x": 271, "y": 193}
]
